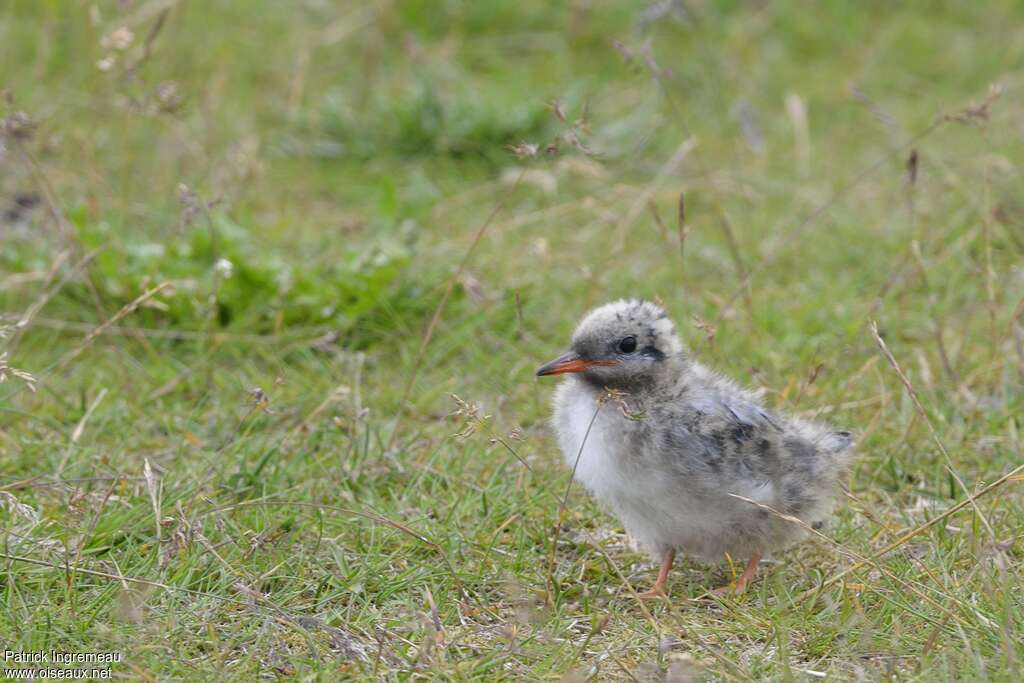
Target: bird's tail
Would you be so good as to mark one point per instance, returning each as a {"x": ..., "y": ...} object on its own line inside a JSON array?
[
  {"x": 837, "y": 442},
  {"x": 839, "y": 445}
]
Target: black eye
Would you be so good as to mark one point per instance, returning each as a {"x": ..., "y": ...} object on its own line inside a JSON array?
[{"x": 628, "y": 345}]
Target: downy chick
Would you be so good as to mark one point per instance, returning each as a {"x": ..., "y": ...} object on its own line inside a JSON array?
[{"x": 681, "y": 440}]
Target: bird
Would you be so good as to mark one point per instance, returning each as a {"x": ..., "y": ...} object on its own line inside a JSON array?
[{"x": 687, "y": 459}]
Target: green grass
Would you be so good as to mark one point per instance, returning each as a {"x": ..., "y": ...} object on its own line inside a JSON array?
[{"x": 343, "y": 159}]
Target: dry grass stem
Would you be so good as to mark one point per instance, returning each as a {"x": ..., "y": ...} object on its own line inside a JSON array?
[{"x": 931, "y": 428}]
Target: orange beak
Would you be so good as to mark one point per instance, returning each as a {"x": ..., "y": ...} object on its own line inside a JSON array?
[{"x": 570, "y": 362}]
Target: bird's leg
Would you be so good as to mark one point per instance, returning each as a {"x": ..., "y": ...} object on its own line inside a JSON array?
[
  {"x": 744, "y": 578},
  {"x": 658, "y": 589},
  {"x": 748, "y": 573}
]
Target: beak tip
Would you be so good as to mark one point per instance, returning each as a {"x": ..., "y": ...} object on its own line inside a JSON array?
[{"x": 569, "y": 363}]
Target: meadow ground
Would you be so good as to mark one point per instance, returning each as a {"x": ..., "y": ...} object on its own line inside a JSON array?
[{"x": 251, "y": 251}]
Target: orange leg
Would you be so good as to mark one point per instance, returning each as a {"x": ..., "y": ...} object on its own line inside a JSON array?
[
  {"x": 744, "y": 578},
  {"x": 658, "y": 589}
]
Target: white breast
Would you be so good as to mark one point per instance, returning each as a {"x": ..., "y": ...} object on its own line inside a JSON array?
[
  {"x": 596, "y": 465},
  {"x": 604, "y": 464}
]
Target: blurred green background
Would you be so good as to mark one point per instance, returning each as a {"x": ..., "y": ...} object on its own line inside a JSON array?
[{"x": 315, "y": 180}]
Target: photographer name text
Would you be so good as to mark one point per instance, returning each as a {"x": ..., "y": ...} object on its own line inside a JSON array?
[{"x": 58, "y": 657}]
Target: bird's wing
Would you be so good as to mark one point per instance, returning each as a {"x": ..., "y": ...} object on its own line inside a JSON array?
[
  {"x": 738, "y": 410},
  {"x": 731, "y": 442},
  {"x": 725, "y": 436}
]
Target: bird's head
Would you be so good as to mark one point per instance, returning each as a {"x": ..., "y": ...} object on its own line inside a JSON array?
[{"x": 621, "y": 345}]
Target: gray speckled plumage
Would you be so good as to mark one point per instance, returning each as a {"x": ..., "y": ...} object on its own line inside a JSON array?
[{"x": 665, "y": 454}]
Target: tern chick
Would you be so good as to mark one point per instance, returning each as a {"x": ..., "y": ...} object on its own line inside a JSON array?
[{"x": 683, "y": 447}]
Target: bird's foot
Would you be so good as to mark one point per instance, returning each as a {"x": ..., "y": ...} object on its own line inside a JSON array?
[
  {"x": 740, "y": 585},
  {"x": 658, "y": 589},
  {"x": 653, "y": 593}
]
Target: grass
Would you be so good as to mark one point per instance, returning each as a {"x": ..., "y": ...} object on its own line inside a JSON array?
[{"x": 230, "y": 479}]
